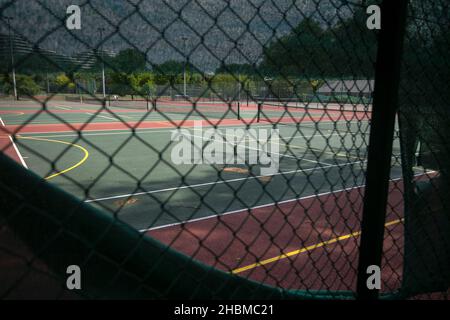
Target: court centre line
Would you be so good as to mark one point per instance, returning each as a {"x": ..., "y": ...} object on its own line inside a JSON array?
[
  {"x": 102, "y": 116},
  {"x": 321, "y": 151},
  {"x": 60, "y": 105},
  {"x": 63, "y": 108},
  {"x": 288, "y": 145},
  {"x": 15, "y": 147},
  {"x": 106, "y": 117},
  {"x": 217, "y": 182},
  {"x": 275, "y": 153},
  {"x": 66, "y": 107}
]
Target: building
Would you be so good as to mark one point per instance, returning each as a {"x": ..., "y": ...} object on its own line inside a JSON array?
[
  {"x": 88, "y": 59},
  {"x": 30, "y": 58}
]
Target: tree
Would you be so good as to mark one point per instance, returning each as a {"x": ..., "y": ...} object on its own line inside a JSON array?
[
  {"x": 346, "y": 49},
  {"x": 236, "y": 69},
  {"x": 351, "y": 47},
  {"x": 173, "y": 67},
  {"x": 129, "y": 61},
  {"x": 300, "y": 52},
  {"x": 142, "y": 84},
  {"x": 119, "y": 83},
  {"x": 225, "y": 85},
  {"x": 62, "y": 80},
  {"x": 25, "y": 85}
]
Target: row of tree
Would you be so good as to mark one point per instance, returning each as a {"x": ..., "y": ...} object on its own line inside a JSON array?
[
  {"x": 309, "y": 52},
  {"x": 146, "y": 83}
]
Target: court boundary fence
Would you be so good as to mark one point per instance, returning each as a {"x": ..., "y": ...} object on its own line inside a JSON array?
[{"x": 134, "y": 265}]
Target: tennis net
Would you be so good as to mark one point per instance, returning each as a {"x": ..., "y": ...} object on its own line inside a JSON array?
[{"x": 195, "y": 108}]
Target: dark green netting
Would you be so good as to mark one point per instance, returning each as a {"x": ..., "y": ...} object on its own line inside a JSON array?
[
  {"x": 427, "y": 214},
  {"x": 46, "y": 228},
  {"x": 425, "y": 140},
  {"x": 116, "y": 260}
]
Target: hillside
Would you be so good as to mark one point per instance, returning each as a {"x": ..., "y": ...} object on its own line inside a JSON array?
[{"x": 156, "y": 26}]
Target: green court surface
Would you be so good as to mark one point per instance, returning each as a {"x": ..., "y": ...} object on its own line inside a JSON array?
[
  {"x": 145, "y": 188},
  {"x": 133, "y": 175}
]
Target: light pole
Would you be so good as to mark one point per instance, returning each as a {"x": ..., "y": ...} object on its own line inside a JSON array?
[
  {"x": 11, "y": 50},
  {"x": 103, "y": 62},
  {"x": 51, "y": 53},
  {"x": 184, "y": 66},
  {"x": 236, "y": 45}
]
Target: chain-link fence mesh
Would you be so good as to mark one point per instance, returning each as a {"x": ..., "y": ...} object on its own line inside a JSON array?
[{"x": 214, "y": 149}]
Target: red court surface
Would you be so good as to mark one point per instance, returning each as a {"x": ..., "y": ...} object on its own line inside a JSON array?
[{"x": 306, "y": 243}]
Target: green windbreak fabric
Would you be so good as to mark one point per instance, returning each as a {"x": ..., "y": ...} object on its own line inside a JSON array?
[
  {"x": 116, "y": 261},
  {"x": 425, "y": 140}
]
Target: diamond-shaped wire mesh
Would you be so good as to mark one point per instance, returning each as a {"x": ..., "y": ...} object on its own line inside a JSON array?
[
  {"x": 423, "y": 239},
  {"x": 99, "y": 115}
]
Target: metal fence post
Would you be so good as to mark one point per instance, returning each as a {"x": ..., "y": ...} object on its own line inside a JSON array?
[
  {"x": 385, "y": 103},
  {"x": 258, "y": 115},
  {"x": 239, "y": 110}
]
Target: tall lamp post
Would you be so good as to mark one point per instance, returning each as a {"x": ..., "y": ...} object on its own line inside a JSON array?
[
  {"x": 236, "y": 45},
  {"x": 11, "y": 51},
  {"x": 184, "y": 66},
  {"x": 239, "y": 77},
  {"x": 103, "y": 62}
]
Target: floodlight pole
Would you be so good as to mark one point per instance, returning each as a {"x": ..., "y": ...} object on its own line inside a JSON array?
[
  {"x": 184, "y": 66},
  {"x": 239, "y": 77},
  {"x": 103, "y": 62},
  {"x": 11, "y": 50},
  {"x": 48, "y": 83},
  {"x": 238, "y": 44}
]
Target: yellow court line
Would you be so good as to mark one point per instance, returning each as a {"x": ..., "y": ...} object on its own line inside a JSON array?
[
  {"x": 309, "y": 248},
  {"x": 79, "y": 163}
]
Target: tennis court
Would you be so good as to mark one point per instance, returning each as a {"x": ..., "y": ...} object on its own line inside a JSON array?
[{"x": 262, "y": 227}]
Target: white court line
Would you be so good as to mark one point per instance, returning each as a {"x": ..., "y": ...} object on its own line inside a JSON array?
[
  {"x": 249, "y": 209},
  {"x": 159, "y": 129},
  {"x": 15, "y": 147},
  {"x": 72, "y": 121},
  {"x": 63, "y": 108},
  {"x": 99, "y": 115},
  {"x": 66, "y": 107},
  {"x": 275, "y": 153},
  {"x": 149, "y": 130},
  {"x": 107, "y": 132},
  {"x": 118, "y": 115},
  {"x": 269, "y": 205},
  {"x": 219, "y": 182}
]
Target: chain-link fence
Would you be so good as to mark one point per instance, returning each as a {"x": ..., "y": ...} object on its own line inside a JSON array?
[{"x": 195, "y": 149}]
